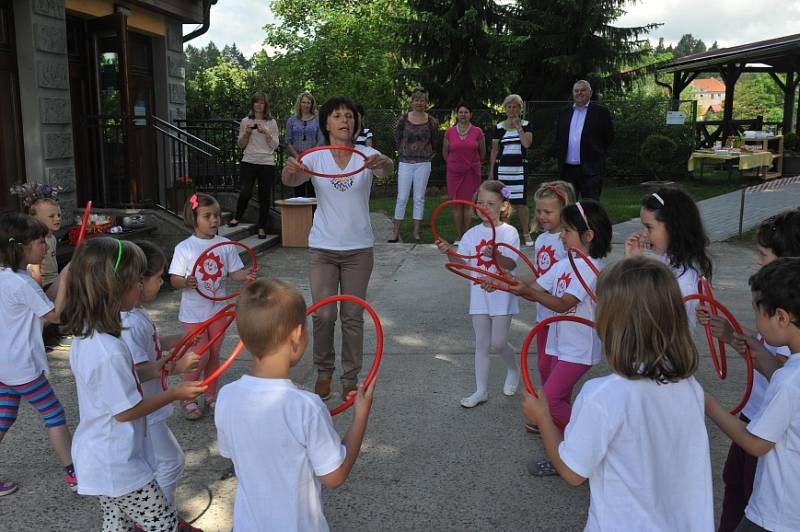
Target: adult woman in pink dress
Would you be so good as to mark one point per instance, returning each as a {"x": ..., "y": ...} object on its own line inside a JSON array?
[{"x": 464, "y": 150}]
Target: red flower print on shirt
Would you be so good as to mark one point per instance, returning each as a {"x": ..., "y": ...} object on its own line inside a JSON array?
[
  {"x": 483, "y": 261},
  {"x": 545, "y": 258},
  {"x": 562, "y": 284}
]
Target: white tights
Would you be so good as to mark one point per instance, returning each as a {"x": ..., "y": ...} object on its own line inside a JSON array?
[{"x": 491, "y": 334}]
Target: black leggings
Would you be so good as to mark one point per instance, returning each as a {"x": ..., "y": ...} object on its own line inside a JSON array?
[{"x": 250, "y": 174}]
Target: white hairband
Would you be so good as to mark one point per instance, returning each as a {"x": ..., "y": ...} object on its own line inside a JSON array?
[{"x": 659, "y": 198}]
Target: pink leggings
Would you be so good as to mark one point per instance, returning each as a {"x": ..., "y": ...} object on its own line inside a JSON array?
[
  {"x": 209, "y": 362},
  {"x": 561, "y": 378},
  {"x": 542, "y": 361}
]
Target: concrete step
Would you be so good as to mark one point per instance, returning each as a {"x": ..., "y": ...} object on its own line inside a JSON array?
[
  {"x": 258, "y": 245},
  {"x": 243, "y": 230}
]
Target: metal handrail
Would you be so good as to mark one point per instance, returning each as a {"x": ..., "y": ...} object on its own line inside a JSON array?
[
  {"x": 188, "y": 144},
  {"x": 184, "y": 132}
]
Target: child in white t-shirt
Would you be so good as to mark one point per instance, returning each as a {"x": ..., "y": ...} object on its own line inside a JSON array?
[
  {"x": 113, "y": 456},
  {"x": 491, "y": 312},
  {"x": 550, "y": 198},
  {"x": 281, "y": 438},
  {"x": 202, "y": 213},
  {"x": 140, "y": 335},
  {"x": 773, "y": 434},
  {"x": 673, "y": 231},
  {"x": 638, "y": 434},
  {"x": 572, "y": 348},
  {"x": 24, "y": 308}
]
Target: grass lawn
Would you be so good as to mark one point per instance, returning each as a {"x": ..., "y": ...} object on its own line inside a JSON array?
[{"x": 620, "y": 199}]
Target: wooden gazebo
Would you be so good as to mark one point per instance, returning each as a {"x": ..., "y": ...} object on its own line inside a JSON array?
[{"x": 773, "y": 57}]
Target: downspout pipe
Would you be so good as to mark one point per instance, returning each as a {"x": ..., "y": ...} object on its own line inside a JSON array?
[{"x": 206, "y": 21}]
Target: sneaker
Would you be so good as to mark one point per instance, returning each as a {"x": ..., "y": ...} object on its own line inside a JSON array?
[
  {"x": 72, "y": 481},
  {"x": 474, "y": 400},
  {"x": 509, "y": 389},
  {"x": 183, "y": 526},
  {"x": 541, "y": 468},
  {"x": 533, "y": 428},
  {"x": 323, "y": 388},
  {"x": 7, "y": 488},
  {"x": 346, "y": 389}
]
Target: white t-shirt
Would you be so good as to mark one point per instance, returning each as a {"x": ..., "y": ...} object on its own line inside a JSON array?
[
  {"x": 141, "y": 337},
  {"x": 760, "y": 383},
  {"x": 280, "y": 439},
  {"x": 549, "y": 249},
  {"x": 22, "y": 306},
  {"x": 211, "y": 275},
  {"x": 497, "y": 303},
  {"x": 111, "y": 458},
  {"x": 644, "y": 448},
  {"x": 567, "y": 340},
  {"x": 773, "y": 504},
  {"x": 341, "y": 221},
  {"x": 688, "y": 278}
]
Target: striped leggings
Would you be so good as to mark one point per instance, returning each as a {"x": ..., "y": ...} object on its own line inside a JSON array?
[{"x": 39, "y": 394}]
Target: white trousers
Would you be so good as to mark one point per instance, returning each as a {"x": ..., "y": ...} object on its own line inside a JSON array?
[
  {"x": 408, "y": 175},
  {"x": 169, "y": 458}
]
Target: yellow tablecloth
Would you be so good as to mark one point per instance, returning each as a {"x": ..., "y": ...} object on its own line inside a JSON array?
[{"x": 746, "y": 160}]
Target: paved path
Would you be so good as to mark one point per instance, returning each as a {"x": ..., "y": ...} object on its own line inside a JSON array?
[
  {"x": 721, "y": 213},
  {"x": 426, "y": 464}
]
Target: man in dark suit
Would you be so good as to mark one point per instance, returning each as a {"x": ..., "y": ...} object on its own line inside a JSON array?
[{"x": 583, "y": 134}]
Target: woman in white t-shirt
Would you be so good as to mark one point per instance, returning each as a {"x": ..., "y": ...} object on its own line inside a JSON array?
[
  {"x": 113, "y": 457},
  {"x": 202, "y": 214},
  {"x": 341, "y": 237},
  {"x": 638, "y": 434},
  {"x": 493, "y": 311},
  {"x": 24, "y": 308}
]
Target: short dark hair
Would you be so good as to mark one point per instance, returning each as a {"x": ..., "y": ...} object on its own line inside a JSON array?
[
  {"x": 156, "y": 260},
  {"x": 465, "y": 105},
  {"x": 600, "y": 246},
  {"x": 18, "y": 230},
  {"x": 332, "y": 104},
  {"x": 778, "y": 286},
  {"x": 269, "y": 310},
  {"x": 781, "y": 234},
  {"x": 688, "y": 241}
]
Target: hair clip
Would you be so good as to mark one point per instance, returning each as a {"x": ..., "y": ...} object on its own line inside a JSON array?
[
  {"x": 119, "y": 255},
  {"x": 557, "y": 191},
  {"x": 193, "y": 201},
  {"x": 505, "y": 192},
  {"x": 583, "y": 214},
  {"x": 659, "y": 198},
  {"x": 11, "y": 239}
]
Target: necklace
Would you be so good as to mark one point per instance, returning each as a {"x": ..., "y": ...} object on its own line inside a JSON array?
[{"x": 463, "y": 135}]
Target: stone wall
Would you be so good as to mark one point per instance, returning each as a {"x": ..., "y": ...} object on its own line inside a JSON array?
[{"x": 44, "y": 94}]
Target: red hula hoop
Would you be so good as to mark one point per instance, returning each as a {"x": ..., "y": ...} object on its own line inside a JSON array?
[
  {"x": 588, "y": 261},
  {"x": 214, "y": 376},
  {"x": 378, "y": 343},
  {"x": 436, "y": 236},
  {"x": 253, "y": 260},
  {"x": 183, "y": 346},
  {"x": 456, "y": 268},
  {"x": 748, "y": 358},
  {"x": 84, "y": 222},
  {"x": 526, "y": 378},
  {"x": 519, "y": 253},
  {"x": 721, "y": 362},
  {"x": 331, "y": 147}
]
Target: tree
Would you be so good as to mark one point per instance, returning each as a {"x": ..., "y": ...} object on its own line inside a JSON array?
[
  {"x": 757, "y": 94},
  {"x": 688, "y": 45},
  {"x": 567, "y": 40},
  {"x": 460, "y": 50},
  {"x": 198, "y": 59}
]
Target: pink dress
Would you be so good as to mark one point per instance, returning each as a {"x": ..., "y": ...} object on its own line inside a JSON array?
[{"x": 463, "y": 163}]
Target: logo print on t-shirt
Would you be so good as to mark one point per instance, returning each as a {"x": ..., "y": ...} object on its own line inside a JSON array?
[
  {"x": 563, "y": 283},
  {"x": 342, "y": 184},
  {"x": 545, "y": 258},
  {"x": 483, "y": 261},
  {"x": 210, "y": 271}
]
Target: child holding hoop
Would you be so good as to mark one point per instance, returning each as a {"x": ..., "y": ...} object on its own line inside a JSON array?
[
  {"x": 773, "y": 434},
  {"x": 140, "y": 335},
  {"x": 638, "y": 434},
  {"x": 673, "y": 231},
  {"x": 203, "y": 214},
  {"x": 294, "y": 446},
  {"x": 491, "y": 312},
  {"x": 572, "y": 349},
  {"x": 549, "y": 199},
  {"x": 777, "y": 236},
  {"x": 24, "y": 308},
  {"x": 113, "y": 454}
]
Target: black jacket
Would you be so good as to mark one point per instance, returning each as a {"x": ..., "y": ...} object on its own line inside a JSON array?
[{"x": 597, "y": 136}]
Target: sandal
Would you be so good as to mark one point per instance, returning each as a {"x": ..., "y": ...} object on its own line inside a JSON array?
[
  {"x": 191, "y": 410},
  {"x": 542, "y": 468}
]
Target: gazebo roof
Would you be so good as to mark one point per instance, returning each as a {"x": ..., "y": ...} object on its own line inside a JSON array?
[{"x": 780, "y": 54}]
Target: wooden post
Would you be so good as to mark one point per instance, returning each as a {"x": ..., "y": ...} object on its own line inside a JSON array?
[
  {"x": 730, "y": 74},
  {"x": 788, "y": 101}
]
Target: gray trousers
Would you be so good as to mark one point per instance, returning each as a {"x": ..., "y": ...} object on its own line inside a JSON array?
[{"x": 335, "y": 272}]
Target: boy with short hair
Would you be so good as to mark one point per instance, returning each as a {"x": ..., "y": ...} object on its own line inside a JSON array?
[
  {"x": 281, "y": 439},
  {"x": 773, "y": 435}
]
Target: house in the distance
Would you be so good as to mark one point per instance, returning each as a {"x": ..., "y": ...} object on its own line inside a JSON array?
[{"x": 710, "y": 95}]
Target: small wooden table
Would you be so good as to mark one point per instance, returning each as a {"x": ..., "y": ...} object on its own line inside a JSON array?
[{"x": 296, "y": 219}]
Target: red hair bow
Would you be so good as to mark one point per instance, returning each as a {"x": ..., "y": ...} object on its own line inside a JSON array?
[{"x": 193, "y": 201}]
